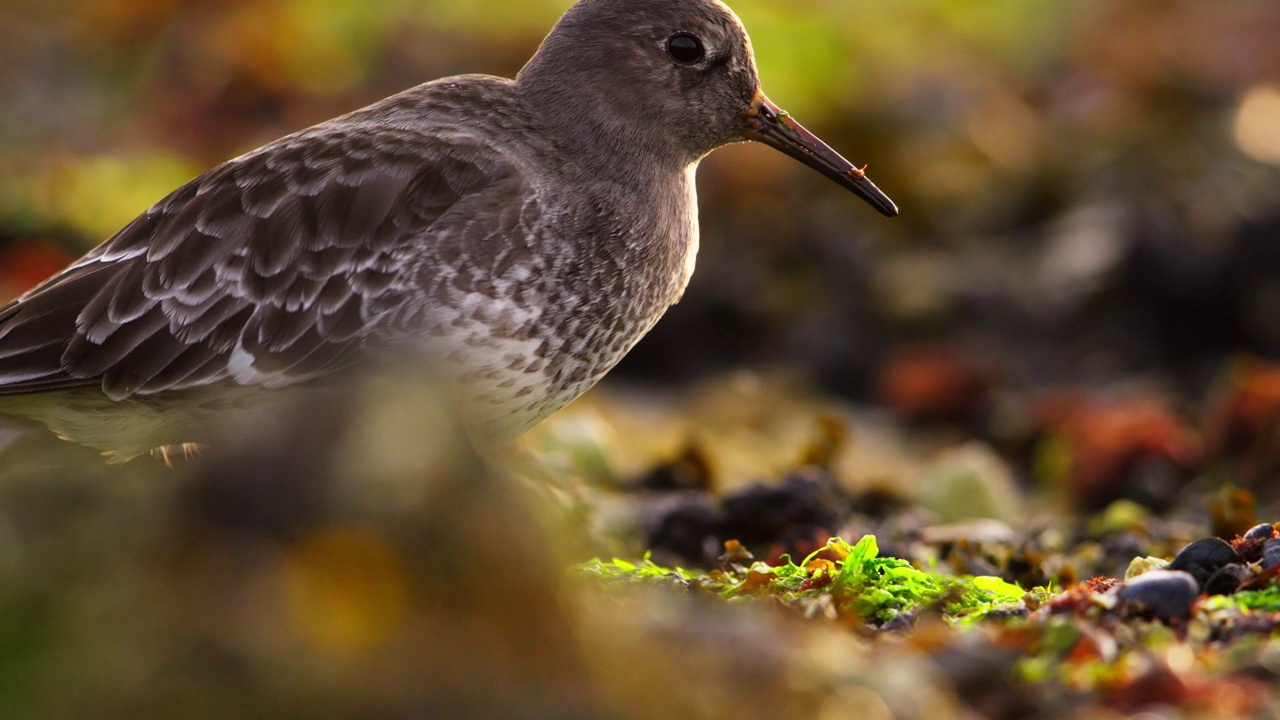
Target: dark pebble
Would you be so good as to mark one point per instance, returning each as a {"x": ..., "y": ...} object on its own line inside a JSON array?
[
  {"x": 1270, "y": 553},
  {"x": 1164, "y": 594},
  {"x": 1260, "y": 532},
  {"x": 1227, "y": 580},
  {"x": 688, "y": 530},
  {"x": 1204, "y": 557},
  {"x": 805, "y": 503}
]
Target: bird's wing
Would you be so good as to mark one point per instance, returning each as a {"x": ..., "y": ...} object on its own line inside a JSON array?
[{"x": 269, "y": 270}]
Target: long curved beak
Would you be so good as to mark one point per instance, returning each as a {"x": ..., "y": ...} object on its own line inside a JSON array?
[{"x": 771, "y": 125}]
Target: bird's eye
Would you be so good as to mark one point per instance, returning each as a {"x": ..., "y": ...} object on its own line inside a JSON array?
[{"x": 684, "y": 48}]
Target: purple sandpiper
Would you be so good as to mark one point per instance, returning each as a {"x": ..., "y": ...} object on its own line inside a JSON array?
[{"x": 524, "y": 234}]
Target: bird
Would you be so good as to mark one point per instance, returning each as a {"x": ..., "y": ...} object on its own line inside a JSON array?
[{"x": 520, "y": 235}]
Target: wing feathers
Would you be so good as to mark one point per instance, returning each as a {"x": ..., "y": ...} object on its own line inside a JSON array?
[
  {"x": 277, "y": 247},
  {"x": 138, "y": 369},
  {"x": 201, "y": 324},
  {"x": 87, "y": 359},
  {"x": 129, "y": 299},
  {"x": 267, "y": 270},
  {"x": 197, "y": 365}
]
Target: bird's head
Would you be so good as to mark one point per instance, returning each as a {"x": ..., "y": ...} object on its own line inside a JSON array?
[{"x": 675, "y": 78}]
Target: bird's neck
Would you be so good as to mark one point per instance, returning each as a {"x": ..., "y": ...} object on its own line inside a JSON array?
[
  {"x": 611, "y": 152},
  {"x": 602, "y": 141}
]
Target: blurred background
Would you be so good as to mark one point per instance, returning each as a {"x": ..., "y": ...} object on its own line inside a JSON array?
[
  {"x": 1082, "y": 292},
  {"x": 1089, "y": 191}
]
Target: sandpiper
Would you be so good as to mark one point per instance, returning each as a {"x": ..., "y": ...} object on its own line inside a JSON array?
[{"x": 524, "y": 234}]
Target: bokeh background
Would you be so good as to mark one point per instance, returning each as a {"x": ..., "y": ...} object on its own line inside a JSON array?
[
  {"x": 1082, "y": 293},
  {"x": 1089, "y": 190}
]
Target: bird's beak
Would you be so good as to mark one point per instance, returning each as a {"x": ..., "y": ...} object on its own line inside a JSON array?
[{"x": 771, "y": 125}]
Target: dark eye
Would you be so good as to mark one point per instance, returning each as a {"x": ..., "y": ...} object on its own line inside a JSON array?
[{"x": 684, "y": 48}]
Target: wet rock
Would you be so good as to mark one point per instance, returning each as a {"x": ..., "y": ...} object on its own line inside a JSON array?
[
  {"x": 1163, "y": 594},
  {"x": 788, "y": 515},
  {"x": 1270, "y": 553},
  {"x": 763, "y": 513},
  {"x": 688, "y": 530},
  {"x": 1262, "y": 531},
  {"x": 1227, "y": 580},
  {"x": 1250, "y": 544},
  {"x": 1204, "y": 557}
]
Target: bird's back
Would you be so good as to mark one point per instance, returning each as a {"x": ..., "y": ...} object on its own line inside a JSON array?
[
  {"x": 416, "y": 219},
  {"x": 270, "y": 270}
]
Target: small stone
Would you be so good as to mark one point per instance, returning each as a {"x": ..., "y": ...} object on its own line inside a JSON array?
[
  {"x": 1262, "y": 531},
  {"x": 1227, "y": 580},
  {"x": 1204, "y": 557},
  {"x": 1163, "y": 594},
  {"x": 1270, "y": 553}
]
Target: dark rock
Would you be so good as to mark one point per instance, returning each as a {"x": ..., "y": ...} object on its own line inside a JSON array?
[
  {"x": 689, "y": 530},
  {"x": 1227, "y": 580},
  {"x": 806, "y": 507},
  {"x": 1163, "y": 594},
  {"x": 804, "y": 501},
  {"x": 1204, "y": 557},
  {"x": 1263, "y": 531},
  {"x": 1270, "y": 553}
]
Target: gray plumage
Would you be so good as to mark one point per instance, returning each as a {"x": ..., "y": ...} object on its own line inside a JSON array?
[{"x": 524, "y": 234}]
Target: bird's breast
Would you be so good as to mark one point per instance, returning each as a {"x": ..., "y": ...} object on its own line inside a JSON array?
[{"x": 546, "y": 328}]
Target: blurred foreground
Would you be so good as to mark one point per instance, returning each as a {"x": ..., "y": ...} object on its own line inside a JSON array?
[
  {"x": 357, "y": 560},
  {"x": 354, "y": 558}
]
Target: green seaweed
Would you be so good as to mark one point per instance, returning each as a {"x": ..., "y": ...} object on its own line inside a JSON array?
[{"x": 858, "y": 582}]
